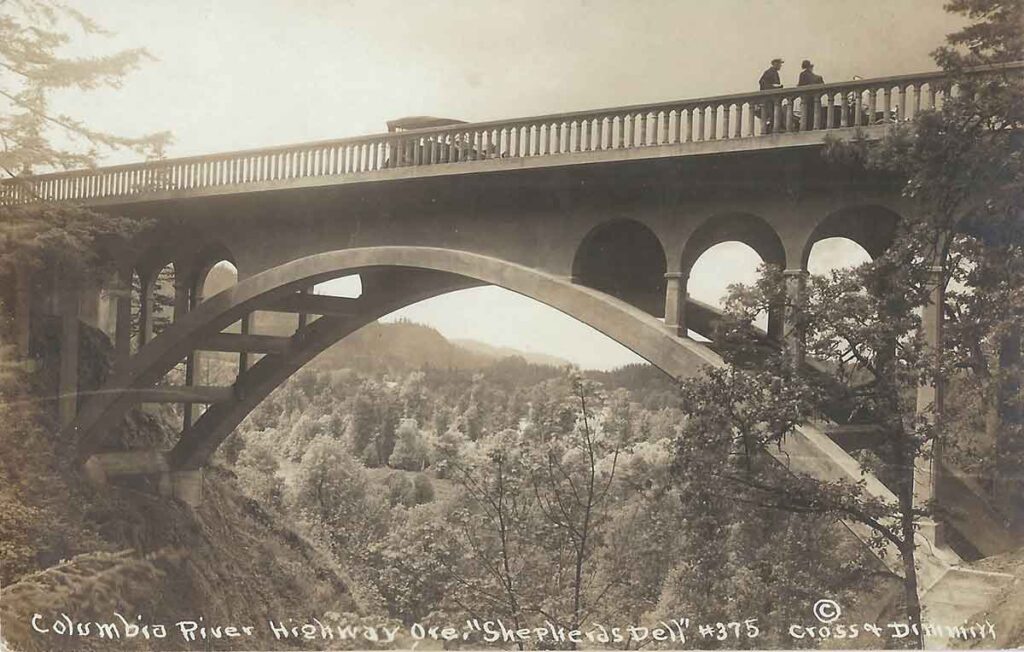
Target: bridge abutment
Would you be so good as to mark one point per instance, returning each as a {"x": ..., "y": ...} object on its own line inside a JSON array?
[{"x": 184, "y": 485}]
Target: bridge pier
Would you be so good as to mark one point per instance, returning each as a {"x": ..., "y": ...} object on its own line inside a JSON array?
[
  {"x": 148, "y": 287},
  {"x": 792, "y": 330},
  {"x": 123, "y": 318},
  {"x": 22, "y": 310},
  {"x": 930, "y": 400},
  {"x": 67, "y": 388}
]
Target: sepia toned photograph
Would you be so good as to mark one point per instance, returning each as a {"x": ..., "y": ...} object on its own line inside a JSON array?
[{"x": 511, "y": 325}]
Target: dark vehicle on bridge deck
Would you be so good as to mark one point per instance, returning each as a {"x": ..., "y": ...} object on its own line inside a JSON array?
[{"x": 434, "y": 148}]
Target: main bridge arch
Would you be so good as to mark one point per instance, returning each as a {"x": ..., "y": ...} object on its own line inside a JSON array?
[{"x": 393, "y": 277}]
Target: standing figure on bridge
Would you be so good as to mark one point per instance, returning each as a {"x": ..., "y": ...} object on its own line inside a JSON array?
[
  {"x": 816, "y": 114},
  {"x": 770, "y": 80}
]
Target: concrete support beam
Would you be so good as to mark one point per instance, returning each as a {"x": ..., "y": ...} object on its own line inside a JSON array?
[
  {"x": 792, "y": 331},
  {"x": 22, "y": 310},
  {"x": 855, "y": 436},
  {"x": 314, "y": 304},
  {"x": 67, "y": 405},
  {"x": 182, "y": 394},
  {"x": 675, "y": 302},
  {"x": 237, "y": 343}
]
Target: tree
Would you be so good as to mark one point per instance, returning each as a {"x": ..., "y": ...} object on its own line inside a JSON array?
[
  {"x": 410, "y": 452},
  {"x": 330, "y": 489},
  {"x": 65, "y": 240},
  {"x": 33, "y": 34},
  {"x": 963, "y": 169},
  {"x": 962, "y": 166}
]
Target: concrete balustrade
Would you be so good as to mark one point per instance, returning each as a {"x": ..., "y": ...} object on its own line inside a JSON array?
[{"x": 764, "y": 114}]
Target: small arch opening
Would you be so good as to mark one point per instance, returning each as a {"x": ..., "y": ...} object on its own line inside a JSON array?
[
  {"x": 219, "y": 277},
  {"x": 163, "y": 298},
  {"x": 625, "y": 259},
  {"x": 715, "y": 272},
  {"x": 835, "y": 253},
  {"x": 346, "y": 287}
]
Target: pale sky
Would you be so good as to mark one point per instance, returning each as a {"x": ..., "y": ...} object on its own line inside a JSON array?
[{"x": 237, "y": 74}]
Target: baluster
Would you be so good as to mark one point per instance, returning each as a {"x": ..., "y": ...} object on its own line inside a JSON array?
[
  {"x": 689, "y": 123},
  {"x": 727, "y": 109},
  {"x": 701, "y": 120}
]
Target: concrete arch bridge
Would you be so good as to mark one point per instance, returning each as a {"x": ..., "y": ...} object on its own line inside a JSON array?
[{"x": 599, "y": 214}]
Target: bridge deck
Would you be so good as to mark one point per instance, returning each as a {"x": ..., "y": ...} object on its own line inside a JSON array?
[{"x": 788, "y": 117}]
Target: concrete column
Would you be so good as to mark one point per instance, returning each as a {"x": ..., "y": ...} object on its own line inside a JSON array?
[
  {"x": 187, "y": 486},
  {"x": 123, "y": 325},
  {"x": 792, "y": 332},
  {"x": 67, "y": 403},
  {"x": 243, "y": 357},
  {"x": 930, "y": 394},
  {"x": 22, "y": 310},
  {"x": 303, "y": 317},
  {"x": 675, "y": 302},
  {"x": 146, "y": 309},
  {"x": 181, "y": 296}
]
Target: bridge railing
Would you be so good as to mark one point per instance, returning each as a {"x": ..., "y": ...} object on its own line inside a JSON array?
[{"x": 745, "y": 115}]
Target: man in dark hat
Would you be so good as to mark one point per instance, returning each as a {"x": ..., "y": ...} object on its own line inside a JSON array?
[
  {"x": 817, "y": 115},
  {"x": 769, "y": 80},
  {"x": 807, "y": 76}
]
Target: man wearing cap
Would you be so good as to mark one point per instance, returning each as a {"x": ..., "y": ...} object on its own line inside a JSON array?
[
  {"x": 770, "y": 77},
  {"x": 769, "y": 80}
]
